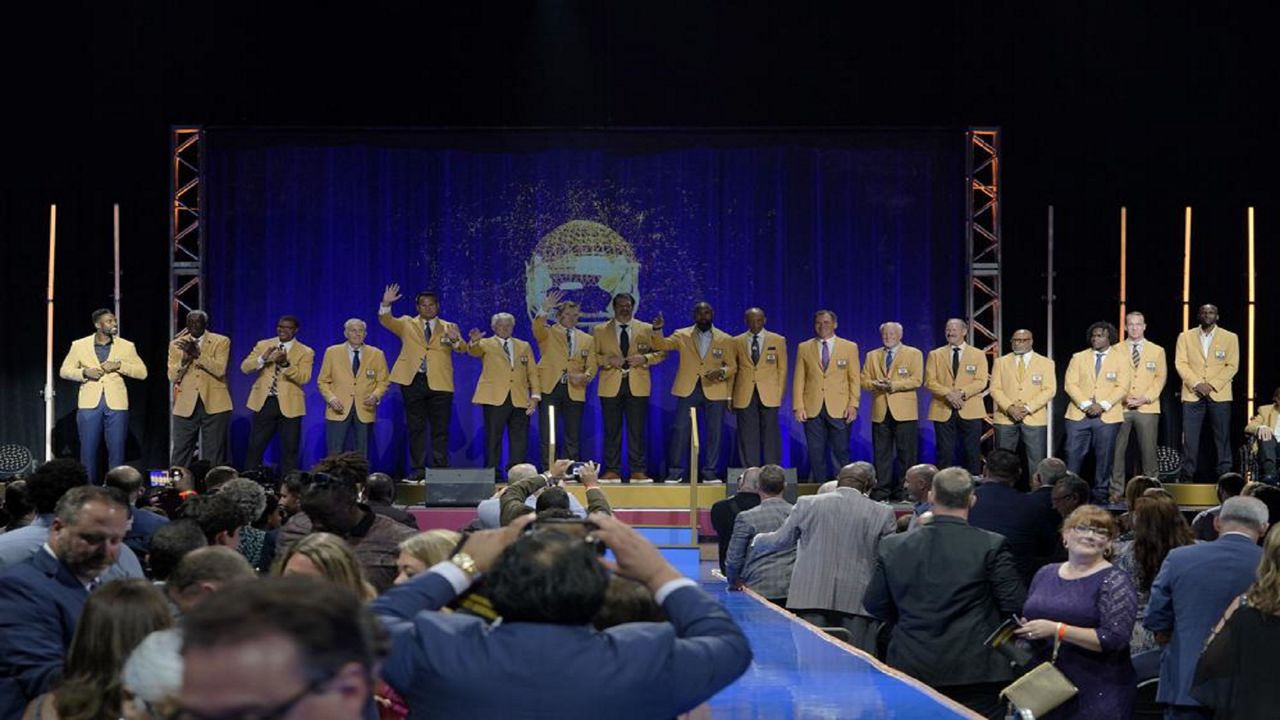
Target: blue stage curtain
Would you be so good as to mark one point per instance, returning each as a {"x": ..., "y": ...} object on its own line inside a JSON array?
[{"x": 866, "y": 223}]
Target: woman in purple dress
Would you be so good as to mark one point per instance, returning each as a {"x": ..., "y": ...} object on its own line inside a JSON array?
[{"x": 1091, "y": 605}]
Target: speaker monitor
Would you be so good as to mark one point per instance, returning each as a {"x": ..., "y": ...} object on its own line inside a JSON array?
[
  {"x": 789, "y": 493},
  {"x": 457, "y": 487}
]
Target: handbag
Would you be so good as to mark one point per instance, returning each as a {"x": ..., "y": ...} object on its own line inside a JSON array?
[{"x": 1042, "y": 689}]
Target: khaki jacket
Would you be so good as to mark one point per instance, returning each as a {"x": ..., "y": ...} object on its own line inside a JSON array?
[
  {"x": 605, "y": 338},
  {"x": 414, "y": 348},
  {"x": 906, "y": 376},
  {"x": 1218, "y": 369},
  {"x": 554, "y": 360},
  {"x": 1109, "y": 385},
  {"x": 721, "y": 355},
  {"x": 292, "y": 379},
  {"x": 1150, "y": 375},
  {"x": 500, "y": 378},
  {"x": 82, "y": 355},
  {"x": 971, "y": 380},
  {"x": 336, "y": 381},
  {"x": 1035, "y": 390},
  {"x": 838, "y": 388},
  {"x": 769, "y": 376},
  {"x": 205, "y": 378}
]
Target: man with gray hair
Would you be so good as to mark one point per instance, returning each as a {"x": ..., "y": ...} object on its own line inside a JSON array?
[
  {"x": 725, "y": 512},
  {"x": 506, "y": 391},
  {"x": 893, "y": 374},
  {"x": 835, "y": 537},
  {"x": 945, "y": 587},
  {"x": 1044, "y": 476},
  {"x": 767, "y": 574},
  {"x": 1195, "y": 585},
  {"x": 353, "y": 378}
]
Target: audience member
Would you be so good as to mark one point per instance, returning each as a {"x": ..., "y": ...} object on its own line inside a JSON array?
[
  {"x": 489, "y": 511},
  {"x": 380, "y": 493},
  {"x": 627, "y": 601},
  {"x": 327, "y": 556},
  {"x": 201, "y": 573},
  {"x": 918, "y": 481},
  {"x": 1234, "y": 674},
  {"x": 1047, "y": 474},
  {"x": 291, "y": 495},
  {"x": 170, "y": 544},
  {"x": 41, "y": 598},
  {"x": 514, "y": 501},
  {"x": 217, "y": 477},
  {"x": 256, "y": 544},
  {"x": 220, "y": 519},
  {"x": 1137, "y": 486},
  {"x": 329, "y": 504},
  {"x": 827, "y": 487},
  {"x": 547, "y": 586},
  {"x": 142, "y": 523},
  {"x": 424, "y": 550},
  {"x": 1158, "y": 527},
  {"x": 769, "y": 574},
  {"x": 1030, "y": 529},
  {"x": 1069, "y": 493},
  {"x": 944, "y": 588},
  {"x": 724, "y": 512},
  {"x": 46, "y": 486},
  {"x": 836, "y": 537},
  {"x": 152, "y": 677},
  {"x": 1089, "y": 605},
  {"x": 115, "y": 619},
  {"x": 1229, "y": 485},
  {"x": 1191, "y": 592},
  {"x": 292, "y": 647},
  {"x": 185, "y": 479},
  {"x": 17, "y": 506},
  {"x": 1269, "y": 495}
]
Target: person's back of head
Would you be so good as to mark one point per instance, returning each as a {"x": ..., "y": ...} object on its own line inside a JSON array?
[
  {"x": 1230, "y": 485},
  {"x": 1069, "y": 493},
  {"x": 126, "y": 479},
  {"x": 170, "y": 543},
  {"x": 219, "y": 517},
  {"x": 1003, "y": 466},
  {"x": 203, "y": 571},
  {"x": 1158, "y": 527},
  {"x": 1137, "y": 485},
  {"x": 17, "y": 503},
  {"x": 627, "y": 601},
  {"x": 312, "y": 633},
  {"x": 219, "y": 476},
  {"x": 773, "y": 480},
  {"x": 547, "y": 576},
  {"x": 522, "y": 471},
  {"x": 432, "y": 546},
  {"x": 49, "y": 482},
  {"x": 827, "y": 487},
  {"x": 352, "y": 467},
  {"x": 860, "y": 476},
  {"x": 750, "y": 480},
  {"x": 116, "y": 617},
  {"x": 1050, "y": 470},
  {"x": 552, "y": 498},
  {"x": 246, "y": 495},
  {"x": 1248, "y": 515},
  {"x": 327, "y": 556},
  {"x": 380, "y": 489},
  {"x": 1264, "y": 594},
  {"x": 952, "y": 491}
]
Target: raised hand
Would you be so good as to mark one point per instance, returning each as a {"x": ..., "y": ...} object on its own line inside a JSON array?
[
  {"x": 475, "y": 335},
  {"x": 391, "y": 294},
  {"x": 658, "y": 322},
  {"x": 552, "y": 299}
]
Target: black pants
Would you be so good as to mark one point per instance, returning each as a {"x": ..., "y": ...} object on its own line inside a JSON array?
[
  {"x": 889, "y": 438},
  {"x": 515, "y": 423},
  {"x": 710, "y": 424},
  {"x": 759, "y": 437},
  {"x": 970, "y": 434},
  {"x": 820, "y": 434},
  {"x": 636, "y": 411},
  {"x": 569, "y": 417},
  {"x": 422, "y": 407},
  {"x": 1193, "y": 414},
  {"x": 266, "y": 423},
  {"x": 982, "y": 698},
  {"x": 209, "y": 428}
]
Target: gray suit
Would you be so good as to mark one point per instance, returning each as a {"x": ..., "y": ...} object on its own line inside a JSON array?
[
  {"x": 836, "y": 536},
  {"x": 767, "y": 573}
]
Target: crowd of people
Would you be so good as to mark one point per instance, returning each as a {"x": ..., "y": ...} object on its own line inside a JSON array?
[
  {"x": 317, "y": 597},
  {"x": 1113, "y": 600}
]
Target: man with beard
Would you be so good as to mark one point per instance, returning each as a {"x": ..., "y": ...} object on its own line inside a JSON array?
[{"x": 202, "y": 404}]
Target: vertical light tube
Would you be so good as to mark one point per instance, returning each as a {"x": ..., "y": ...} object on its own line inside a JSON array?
[
  {"x": 1186, "y": 270},
  {"x": 115, "y": 235},
  {"x": 1123, "y": 268},
  {"x": 48, "y": 347},
  {"x": 1252, "y": 314}
]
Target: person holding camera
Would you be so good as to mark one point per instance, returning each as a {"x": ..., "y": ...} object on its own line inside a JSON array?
[{"x": 514, "y": 500}]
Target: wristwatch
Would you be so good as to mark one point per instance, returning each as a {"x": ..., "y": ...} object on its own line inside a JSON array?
[{"x": 465, "y": 564}]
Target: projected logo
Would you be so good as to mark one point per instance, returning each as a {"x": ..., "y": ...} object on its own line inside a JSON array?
[{"x": 587, "y": 261}]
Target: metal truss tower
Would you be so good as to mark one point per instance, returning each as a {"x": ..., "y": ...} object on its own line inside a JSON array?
[
  {"x": 982, "y": 241},
  {"x": 186, "y": 233}
]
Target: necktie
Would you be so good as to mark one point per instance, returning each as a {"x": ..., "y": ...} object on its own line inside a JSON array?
[
  {"x": 1022, "y": 369},
  {"x": 506, "y": 350},
  {"x": 1137, "y": 356},
  {"x": 888, "y": 360},
  {"x": 568, "y": 340},
  {"x": 1097, "y": 363},
  {"x": 426, "y": 333},
  {"x": 355, "y": 363},
  {"x": 955, "y": 362},
  {"x": 625, "y": 342},
  {"x": 275, "y": 377},
  {"x": 755, "y": 349},
  {"x": 826, "y": 355}
]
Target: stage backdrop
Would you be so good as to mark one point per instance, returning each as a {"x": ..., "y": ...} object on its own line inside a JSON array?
[{"x": 866, "y": 223}]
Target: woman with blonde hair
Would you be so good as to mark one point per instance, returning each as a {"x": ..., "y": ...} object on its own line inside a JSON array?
[
  {"x": 1236, "y": 673},
  {"x": 423, "y": 550},
  {"x": 326, "y": 556},
  {"x": 1089, "y": 606}
]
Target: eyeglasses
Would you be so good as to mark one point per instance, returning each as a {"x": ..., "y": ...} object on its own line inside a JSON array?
[
  {"x": 1092, "y": 530},
  {"x": 272, "y": 713}
]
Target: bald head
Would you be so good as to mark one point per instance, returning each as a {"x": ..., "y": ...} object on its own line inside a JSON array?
[
  {"x": 918, "y": 481},
  {"x": 860, "y": 476},
  {"x": 523, "y": 471},
  {"x": 750, "y": 481},
  {"x": 127, "y": 480}
]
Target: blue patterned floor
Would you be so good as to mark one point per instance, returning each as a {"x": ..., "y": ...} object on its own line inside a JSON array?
[{"x": 798, "y": 673}]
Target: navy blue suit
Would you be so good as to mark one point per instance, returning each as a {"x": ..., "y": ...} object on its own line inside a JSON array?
[
  {"x": 456, "y": 666},
  {"x": 1031, "y": 530},
  {"x": 144, "y": 525},
  {"x": 1195, "y": 585},
  {"x": 40, "y": 604}
]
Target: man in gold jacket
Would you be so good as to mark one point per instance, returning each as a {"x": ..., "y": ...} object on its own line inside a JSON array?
[
  {"x": 826, "y": 389},
  {"x": 506, "y": 391},
  {"x": 283, "y": 366},
  {"x": 100, "y": 362},
  {"x": 1142, "y": 403},
  {"x": 704, "y": 381},
  {"x": 566, "y": 365},
  {"x": 758, "y": 387},
  {"x": 624, "y": 354},
  {"x": 892, "y": 374},
  {"x": 1097, "y": 381},
  {"x": 1023, "y": 384},
  {"x": 353, "y": 378},
  {"x": 1263, "y": 427},
  {"x": 956, "y": 375},
  {"x": 424, "y": 372},
  {"x": 1207, "y": 359},
  {"x": 202, "y": 403}
]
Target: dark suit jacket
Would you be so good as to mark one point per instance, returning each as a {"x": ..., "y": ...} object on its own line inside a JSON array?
[
  {"x": 1195, "y": 585},
  {"x": 724, "y": 513},
  {"x": 451, "y": 665},
  {"x": 946, "y": 586},
  {"x": 40, "y": 604},
  {"x": 1031, "y": 530},
  {"x": 145, "y": 523}
]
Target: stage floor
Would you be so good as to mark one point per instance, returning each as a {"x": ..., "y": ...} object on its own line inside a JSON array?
[{"x": 799, "y": 672}]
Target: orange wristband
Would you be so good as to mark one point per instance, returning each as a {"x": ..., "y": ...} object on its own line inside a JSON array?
[{"x": 1062, "y": 631}]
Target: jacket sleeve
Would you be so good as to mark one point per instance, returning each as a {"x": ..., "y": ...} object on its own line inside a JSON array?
[
  {"x": 30, "y": 639},
  {"x": 174, "y": 362},
  {"x": 797, "y": 382},
  {"x": 1006, "y": 585},
  {"x": 1221, "y": 375},
  {"x": 710, "y": 649},
  {"x": 324, "y": 381},
  {"x": 933, "y": 380},
  {"x": 512, "y": 501},
  {"x": 1072, "y": 385},
  {"x": 71, "y": 368},
  {"x": 300, "y": 373},
  {"x": 853, "y": 373},
  {"x": 250, "y": 365},
  {"x": 998, "y": 395},
  {"x": 784, "y": 537},
  {"x": 735, "y": 558},
  {"x": 131, "y": 366},
  {"x": 878, "y": 600},
  {"x": 1159, "y": 615},
  {"x": 597, "y": 501},
  {"x": 381, "y": 377},
  {"x": 1183, "y": 365},
  {"x": 1162, "y": 376}
]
